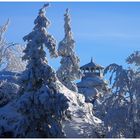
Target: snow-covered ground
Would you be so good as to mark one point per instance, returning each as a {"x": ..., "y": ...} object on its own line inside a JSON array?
[{"x": 82, "y": 123}]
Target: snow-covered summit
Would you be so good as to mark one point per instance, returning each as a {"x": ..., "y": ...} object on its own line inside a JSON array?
[{"x": 82, "y": 122}]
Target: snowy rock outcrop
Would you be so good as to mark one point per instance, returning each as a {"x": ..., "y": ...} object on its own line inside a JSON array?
[{"x": 81, "y": 123}]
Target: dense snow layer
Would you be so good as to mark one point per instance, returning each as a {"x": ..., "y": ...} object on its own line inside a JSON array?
[
  {"x": 91, "y": 82},
  {"x": 82, "y": 123},
  {"x": 89, "y": 93},
  {"x": 92, "y": 85}
]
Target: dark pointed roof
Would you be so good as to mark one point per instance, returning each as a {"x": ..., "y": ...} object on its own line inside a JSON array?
[{"x": 92, "y": 65}]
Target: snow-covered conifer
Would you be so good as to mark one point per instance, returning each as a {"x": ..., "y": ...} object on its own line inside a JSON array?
[
  {"x": 134, "y": 58},
  {"x": 40, "y": 104},
  {"x": 69, "y": 69},
  {"x": 122, "y": 102}
]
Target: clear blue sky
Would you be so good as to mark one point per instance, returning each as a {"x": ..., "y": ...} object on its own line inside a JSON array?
[{"x": 108, "y": 32}]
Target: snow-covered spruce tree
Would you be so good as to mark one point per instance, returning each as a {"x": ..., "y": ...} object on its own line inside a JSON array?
[
  {"x": 41, "y": 106},
  {"x": 69, "y": 70}
]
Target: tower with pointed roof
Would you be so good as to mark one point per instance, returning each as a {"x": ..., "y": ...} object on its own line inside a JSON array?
[
  {"x": 92, "y": 69},
  {"x": 92, "y": 84}
]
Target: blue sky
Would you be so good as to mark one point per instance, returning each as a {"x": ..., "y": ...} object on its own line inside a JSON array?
[{"x": 106, "y": 31}]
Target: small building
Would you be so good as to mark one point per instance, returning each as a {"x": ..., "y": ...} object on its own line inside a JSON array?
[
  {"x": 92, "y": 83},
  {"x": 92, "y": 69}
]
